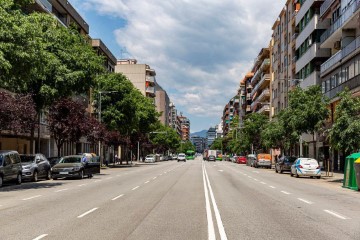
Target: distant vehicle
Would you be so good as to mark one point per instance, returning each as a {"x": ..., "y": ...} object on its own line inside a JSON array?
[
  {"x": 181, "y": 157},
  {"x": 250, "y": 160},
  {"x": 284, "y": 164},
  {"x": 150, "y": 158},
  {"x": 241, "y": 159},
  {"x": 169, "y": 157},
  {"x": 35, "y": 166},
  {"x": 212, "y": 158},
  {"x": 190, "y": 155},
  {"x": 306, "y": 167},
  {"x": 174, "y": 156},
  {"x": 76, "y": 166},
  {"x": 216, "y": 153},
  {"x": 263, "y": 160},
  {"x": 10, "y": 167}
]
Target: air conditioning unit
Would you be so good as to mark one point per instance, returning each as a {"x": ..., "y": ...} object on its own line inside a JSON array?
[{"x": 337, "y": 45}]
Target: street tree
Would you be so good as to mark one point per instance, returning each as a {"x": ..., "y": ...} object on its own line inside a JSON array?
[
  {"x": 186, "y": 146},
  {"x": 67, "y": 122},
  {"x": 345, "y": 132},
  {"x": 217, "y": 144},
  {"x": 164, "y": 138},
  {"x": 251, "y": 132}
]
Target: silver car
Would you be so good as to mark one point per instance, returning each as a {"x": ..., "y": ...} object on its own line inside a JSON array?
[
  {"x": 35, "y": 166},
  {"x": 150, "y": 158},
  {"x": 181, "y": 157}
]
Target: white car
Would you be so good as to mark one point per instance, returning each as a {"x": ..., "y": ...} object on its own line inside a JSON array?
[
  {"x": 306, "y": 167},
  {"x": 150, "y": 158},
  {"x": 181, "y": 157}
]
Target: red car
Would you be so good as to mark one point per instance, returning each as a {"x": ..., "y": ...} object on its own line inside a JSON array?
[{"x": 241, "y": 160}]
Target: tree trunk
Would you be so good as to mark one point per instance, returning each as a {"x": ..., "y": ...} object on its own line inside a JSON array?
[
  {"x": 38, "y": 138},
  {"x": 314, "y": 143},
  {"x": 32, "y": 138}
]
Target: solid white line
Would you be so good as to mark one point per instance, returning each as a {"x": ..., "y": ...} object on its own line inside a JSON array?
[
  {"x": 154, "y": 177},
  {"x": 32, "y": 197},
  {"x": 61, "y": 190},
  {"x": 216, "y": 210},
  {"x": 305, "y": 201},
  {"x": 135, "y": 188},
  {"x": 40, "y": 237},
  {"x": 81, "y": 185},
  {"x": 117, "y": 197},
  {"x": 272, "y": 187},
  {"x": 211, "y": 230},
  {"x": 336, "y": 214},
  {"x": 147, "y": 182},
  {"x": 285, "y": 192},
  {"x": 86, "y": 213},
  {"x": 262, "y": 183}
]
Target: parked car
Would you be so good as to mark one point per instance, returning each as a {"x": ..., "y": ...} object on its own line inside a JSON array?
[
  {"x": 181, "y": 157},
  {"x": 306, "y": 167},
  {"x": 76, "y": 166},
  {"x": 169, "y": 157},
  {"x": 54, "y": 160},
  {"x": 263, "y": 160},
  {"x": 250, "y": 160},
  {"x": 241, "y": 160},
  {"x": 175, "y": 156},
  {"x": 10, "y": 167},
  {"x": 212, "y": 158},
  {"x": 35, "y": 166},
  {"x": 150, "y": 158},
  {"x": 284, "y": 164}
]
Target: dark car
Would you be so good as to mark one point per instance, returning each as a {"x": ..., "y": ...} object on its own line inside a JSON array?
[
  {"x": 284, "y": 164},
  {"x": 212, "y": 158},
  {"x": 76, "y": 166},
  {"x": 10, "y": 167},
  {"x": 35, "y": 166},
  {"x": 54, "y": 160}
]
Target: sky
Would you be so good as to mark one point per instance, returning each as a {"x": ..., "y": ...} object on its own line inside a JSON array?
[{"x": 200, "y": 49}]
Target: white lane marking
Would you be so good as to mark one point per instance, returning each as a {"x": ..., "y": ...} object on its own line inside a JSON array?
[
  {"x": 29, "y": 198},
  {"x": 160, "y": 175},
  {"x": 262, "y": 183},
  {"x": 249, "y": 176},
  {"x": 40, "y": 237},
  {"x": 135, "y": 188},
  {"x": 336, "y": 214},
  {"x": 211, "y": 231},
  {"x": 285, "y": 193},
  {"x": 81, "y": 185},
  {"x": 147, "y": 182},
  {"x": 61, "y": 190},
  {"x": 245, "y": 174},
  {"x": 98, "y": 180},
  {"x": 256, "y": 179},
  {"x": 86, "y": 213},
  {"x": 272, "y": 187},
  {"x": 216, "y": 210},
  {"x": 221, "y": 170},
  {"x": 305, "y": 201},
  {"x": 165, "y": 172},
  {"x": 117, "y": 197},
  {"x": 154, "y": 177}
]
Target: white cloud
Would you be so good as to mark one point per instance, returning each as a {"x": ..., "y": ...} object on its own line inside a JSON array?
[{"x": 200, "y": 49}]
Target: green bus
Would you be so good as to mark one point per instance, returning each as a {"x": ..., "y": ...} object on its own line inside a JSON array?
[{"x": 190, "y": 155}]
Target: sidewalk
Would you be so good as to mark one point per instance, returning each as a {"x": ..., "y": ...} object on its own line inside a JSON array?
[{"x": 333, "y": 178}]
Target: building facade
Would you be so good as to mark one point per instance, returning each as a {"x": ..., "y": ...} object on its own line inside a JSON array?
[
  {"x": 199, "y": 143},
  {"x": 210, "y": 136},
  {"x": 162, "y": 103},
  {"x": 184, "y": 124}
]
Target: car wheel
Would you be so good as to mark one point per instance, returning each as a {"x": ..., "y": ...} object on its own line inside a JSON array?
[
  {"x": 291, "y": 174},
  {"x": 276, "y": 169},
  {"x": 35, "y": 176},
  {"x": 280, "y": 171},
  {"x": 297, "y": 175},
  {"x": 54, "y": 178},
  {"x": 18, "y": 179},
  {"x": 1, "y": 181},
  {"x": 48, "y": 175},
  {"x": 311, "y": 176},
  {"x": 81, "y": 174}
]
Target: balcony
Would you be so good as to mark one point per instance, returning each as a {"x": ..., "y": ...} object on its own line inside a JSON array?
[
  {"x": 313, "y": 24},
  {"x": 265, "y": 81},
  {"x": 337, "y": 57},
  {"x": 313, "y": 52},
  {"x": 150, "y": 90},
  {"x": 310, "y": 80},
  {"x": 346, "y": 15},
  {"x": 265, "y": 65},
  {"x": 304, "y": 9},
  {"x": 255, "y": 77},
  {"x": 264, "y": 95},
  {"x": 350, "y": 84},
  {"x": 264, "y": 109},
  {"x": 150, "y": 79},
  {"x": 325, "y": 6}
]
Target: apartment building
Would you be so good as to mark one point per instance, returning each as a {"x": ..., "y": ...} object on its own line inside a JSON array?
[
  {"x": 342, "y": 69},
  {"x": 162, "y": 103},
  {"x": 211, "y": 136},
  {"x": 231, "y": 110},
  {"x": 199, "y": 143},
  {"x": 184, "y": 124},
  {"x": 283, "y": 57},
  {"x": 260, "y": 83},
  {"x": 141, "y": 75},
  {"x": 172, "y": 116},
  {"x": 219, "y": 130}
]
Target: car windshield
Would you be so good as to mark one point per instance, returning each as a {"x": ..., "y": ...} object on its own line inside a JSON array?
[
  {"x": 1, "y": 159},
  {"x": 181, "y": 155},
  {"x": 290, "y": 159},
  {"x": 150, "y": 156},
  {"x": 25, "y": 158},
  {"x": 70, "y": 160}
]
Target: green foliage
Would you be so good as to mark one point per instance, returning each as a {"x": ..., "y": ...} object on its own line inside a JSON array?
[
  {"x": 165, "y": 138},
  {"x": 251, "y": 132},
  {"x": 345, "y": 132},
  {"x": 185, "y": 146},
  {"x": 217, "y": 144}
]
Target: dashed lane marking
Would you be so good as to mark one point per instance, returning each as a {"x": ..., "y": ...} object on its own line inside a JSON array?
[
  {"x": 135, "y": 188},
  {"x": 61, "y": 190},
  {"x": 284, "y": 192},
  {"x": 29, "y": 198},
  {"x": 86, "y": 213},
  {"x": 305, "y": 201},
  {"x": 117, "y": 197},
  {"x": 147, "y": 182},
  {"x": 40, "y": 237},
  {"x": 272, "y": 187},
  {"x": 336, "y": 214}
]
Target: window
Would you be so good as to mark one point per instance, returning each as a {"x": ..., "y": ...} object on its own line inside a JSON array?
[{"x": 323, "y": 87}]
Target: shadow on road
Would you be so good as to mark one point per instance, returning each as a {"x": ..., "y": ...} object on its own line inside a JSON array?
[{"x": 29, "y": 185}]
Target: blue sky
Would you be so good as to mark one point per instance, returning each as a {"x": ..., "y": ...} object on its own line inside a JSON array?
[{"x": 200, "y": 49}]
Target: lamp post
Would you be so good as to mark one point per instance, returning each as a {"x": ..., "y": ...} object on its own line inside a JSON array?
[{"x": 101, "y": 92}]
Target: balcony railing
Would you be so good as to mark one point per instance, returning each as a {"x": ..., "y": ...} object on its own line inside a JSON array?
[
  {"x": 325, "y": 6},
  {"x": 264, "y": 94},
  {"x": 150, "y": 79},
  {"x": 255, "y": 77},
  {"x": 265, "y": 63},
  {"x": 150, "y": 90},
  {"x": 265, "y": 77},
  {"x": 350, "y": 84},
  {"x": 46, "y": 4},
  {"x": 264, "y": 108},
  {"x": 354, "y": 45},
  {"x": 348, "y": 13}
]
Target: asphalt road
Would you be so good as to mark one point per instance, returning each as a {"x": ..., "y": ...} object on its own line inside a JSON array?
[{"x": 176, "y": 200}]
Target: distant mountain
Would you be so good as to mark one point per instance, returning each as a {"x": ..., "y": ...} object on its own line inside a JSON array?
[{"x": 200, "y": 134}]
